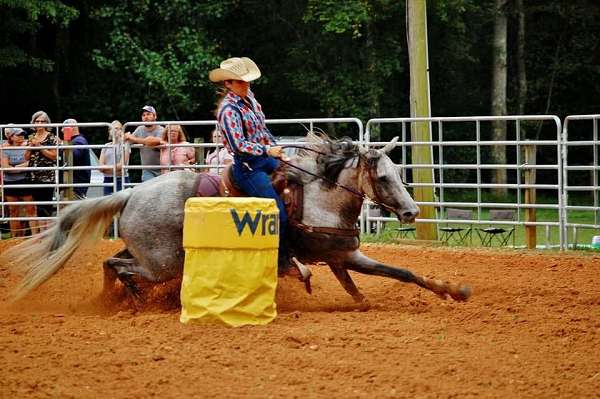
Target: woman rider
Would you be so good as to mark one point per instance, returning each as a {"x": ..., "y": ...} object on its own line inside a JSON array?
[{"x": 245, "y": 134}]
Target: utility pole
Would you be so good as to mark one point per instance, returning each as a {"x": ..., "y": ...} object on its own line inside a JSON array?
[{"x": 420, "y": 107}]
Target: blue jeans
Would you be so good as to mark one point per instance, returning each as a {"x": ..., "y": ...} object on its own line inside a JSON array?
[
  {"x": 251, "y": 174},
  {"x": 109, "y": 179}
]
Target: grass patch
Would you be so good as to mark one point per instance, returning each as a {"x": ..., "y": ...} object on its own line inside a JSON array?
[{"x": 545, "y": 236}]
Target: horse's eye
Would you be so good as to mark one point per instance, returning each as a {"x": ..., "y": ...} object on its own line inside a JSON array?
[{"x": 383, "y": 179}]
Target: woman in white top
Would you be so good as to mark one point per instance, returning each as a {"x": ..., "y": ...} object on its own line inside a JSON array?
[
  {"x": 219, "y": 156},
  {"x": 108, "y": 158}
]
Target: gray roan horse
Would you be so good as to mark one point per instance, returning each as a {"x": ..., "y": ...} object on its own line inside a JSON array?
[{"x": 151, "y": 223}]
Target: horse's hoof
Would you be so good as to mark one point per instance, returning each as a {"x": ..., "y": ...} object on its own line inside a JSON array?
[
  {"x": 462, "y": 293},
  {"x": 364, "y": 305}
]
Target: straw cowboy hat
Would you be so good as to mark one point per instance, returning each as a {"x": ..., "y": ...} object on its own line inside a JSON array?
[{"x": 235, "y": 69}]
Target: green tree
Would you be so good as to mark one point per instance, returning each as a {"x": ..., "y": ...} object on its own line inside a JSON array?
[
  {"x": 21, "y": 20},
  {"x": 165, "y": 46},
  {"x": 361, "y": 48}
]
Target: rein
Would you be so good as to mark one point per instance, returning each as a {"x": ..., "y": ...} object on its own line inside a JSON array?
[{"x": 302, "y": 148}]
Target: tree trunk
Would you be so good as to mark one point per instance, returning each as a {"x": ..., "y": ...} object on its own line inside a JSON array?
[
  {"x": 498, "y": 152},
  {"x": 521, "y": 70},
  {"x": 331, "y": 127},
  {"x": 61, "y": 55},
  {"x": 554, "y": 68},
  {"x": 371, "y": 58}
]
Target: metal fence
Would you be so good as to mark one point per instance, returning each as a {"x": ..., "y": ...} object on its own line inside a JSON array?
[
  {"x": 58, "y": 168},
  {"x": 579, "y": 178},
  {"x": 461, "y": 177},
  {"x": 463, "y": 180}
]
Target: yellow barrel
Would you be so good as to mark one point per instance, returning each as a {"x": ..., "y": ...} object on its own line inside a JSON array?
[{"x": 230, "y": 270}]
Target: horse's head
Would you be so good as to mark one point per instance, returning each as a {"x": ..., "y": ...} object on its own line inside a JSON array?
[
  {"x": 358, "y": 171},
  {"x": 384, "y": 184}
]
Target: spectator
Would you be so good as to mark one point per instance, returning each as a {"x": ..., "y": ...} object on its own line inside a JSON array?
[
  {"x": 15, "y": 158},
  {"x": 149, "y": 136},
  {"x": 39, "y": 158},
  {"x": 175, "y": 156},
  {"x": 81, "y": 157},
  {"x": 109, "y": 160},
  {"x": 218, "y": 157}
]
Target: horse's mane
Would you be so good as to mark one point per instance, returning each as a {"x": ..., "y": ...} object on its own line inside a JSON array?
[{"x": 324, "y": 156}]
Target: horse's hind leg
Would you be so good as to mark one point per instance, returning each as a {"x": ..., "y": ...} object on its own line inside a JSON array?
[
  {"x": 110, "y": 274},
  {"x": 124, "y": 267},
  {"x": 362, "y": 264},
  {"x": 346, "y": 281}
]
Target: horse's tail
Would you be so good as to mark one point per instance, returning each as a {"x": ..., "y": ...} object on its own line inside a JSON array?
[{"x": 40, "y": 256}]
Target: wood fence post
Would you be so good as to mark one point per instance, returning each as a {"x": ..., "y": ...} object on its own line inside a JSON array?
[{"x": 530, "y": 197}]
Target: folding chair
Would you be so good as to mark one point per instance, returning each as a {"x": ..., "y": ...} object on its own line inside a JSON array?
[
  {"x": 403, "y": 232},
  {"x": 499, "y": 233},
  {"x": 457, "y": 234}
]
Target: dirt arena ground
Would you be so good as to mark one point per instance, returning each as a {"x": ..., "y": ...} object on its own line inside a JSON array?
[{"x": 530, "y": 330}]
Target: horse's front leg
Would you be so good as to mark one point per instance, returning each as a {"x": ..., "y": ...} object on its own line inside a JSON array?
[
  {"x": 362, "y": 264},
  {"x": 346, "y": 281}
]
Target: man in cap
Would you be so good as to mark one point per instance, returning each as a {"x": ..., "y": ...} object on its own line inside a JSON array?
[
  {"x": 148, "y": 135},
  {"x": 81, "y": 157}
]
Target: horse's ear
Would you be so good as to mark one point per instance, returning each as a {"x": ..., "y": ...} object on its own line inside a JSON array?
[{"x": 390, "y": 146}]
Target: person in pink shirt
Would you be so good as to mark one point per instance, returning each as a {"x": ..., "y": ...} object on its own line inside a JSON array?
[{"x": 175, "y": 156}]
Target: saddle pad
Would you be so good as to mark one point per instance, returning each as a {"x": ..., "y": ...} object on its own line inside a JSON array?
[{"x": 207, "y": 185}]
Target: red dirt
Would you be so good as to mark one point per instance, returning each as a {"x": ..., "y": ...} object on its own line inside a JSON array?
[{"x": 530, "y": 330}]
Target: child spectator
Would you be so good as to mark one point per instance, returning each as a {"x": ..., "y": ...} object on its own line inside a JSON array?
[{"x": 218, "y": 157}]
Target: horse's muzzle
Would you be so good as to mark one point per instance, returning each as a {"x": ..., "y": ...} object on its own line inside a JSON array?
[{"x": 409, "y": 216}]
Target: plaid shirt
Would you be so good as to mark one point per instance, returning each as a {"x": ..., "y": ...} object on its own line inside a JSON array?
[{"x": 252, "y": 137}]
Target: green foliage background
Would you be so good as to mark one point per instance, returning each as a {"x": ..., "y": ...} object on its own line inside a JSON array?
[{"x": 102, "y": 60}]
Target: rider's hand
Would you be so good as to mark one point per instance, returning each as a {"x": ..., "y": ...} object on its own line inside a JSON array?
[{"x": 275, "y": 152}]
